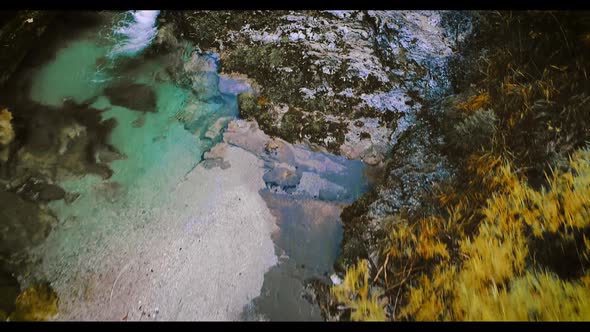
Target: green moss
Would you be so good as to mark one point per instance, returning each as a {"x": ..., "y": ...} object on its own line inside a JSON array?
[
  {"x": 292, "y": 125},
  {"x": 247, "y": 106}
]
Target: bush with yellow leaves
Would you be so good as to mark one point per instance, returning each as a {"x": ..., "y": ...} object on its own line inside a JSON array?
[
  {"x": 509, "y": 237},
  {"x": 355, "y": 294},
  {"x": 494, "y": 274},
  {"x": 36, "y": 303},
  {"x": 6, "y": 131}
]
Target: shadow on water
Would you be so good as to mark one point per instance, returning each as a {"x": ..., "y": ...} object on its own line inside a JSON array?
[{"x": 308, "y": 237}]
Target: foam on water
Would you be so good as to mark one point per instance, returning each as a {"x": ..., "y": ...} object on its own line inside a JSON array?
[{"x": 137, "y": 33}]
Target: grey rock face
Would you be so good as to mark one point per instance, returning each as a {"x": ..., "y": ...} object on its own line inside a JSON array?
[{"x": 320, "y": 72}]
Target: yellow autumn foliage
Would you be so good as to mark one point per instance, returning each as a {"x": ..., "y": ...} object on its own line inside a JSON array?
[
  {"x": 36, "y": 303},
  {"x": 494, "y": 282},
  {"x": 475, "y": 102},
  {"x": 492, "y": 274},
  {"x": 355, "y": 294},
  {"x": 420, "y": 239},
  {"x": 6, "y": 131}
]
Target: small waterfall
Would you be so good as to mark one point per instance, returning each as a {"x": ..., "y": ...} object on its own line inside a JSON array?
[{"x": 136, "y": 33}]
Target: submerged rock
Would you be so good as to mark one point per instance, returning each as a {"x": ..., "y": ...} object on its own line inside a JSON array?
[
  {"x": 215, "y": 129},
  {"x": 36, "y": 189},
  {"x": 9, "y": 290},
  {"x": 131, "y": 95},
  {"x": 23, "y": 224},
  {"x": 57, "y": 142},
  {"x": 296, "y": 169},
  {"x": 283, "y": 176}
]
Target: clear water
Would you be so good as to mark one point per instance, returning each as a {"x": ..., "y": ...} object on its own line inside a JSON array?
[
  {"x": 161, "y": 140},
  {"x": 159, "y": 152},
  {"x": 71, "y": 75}
]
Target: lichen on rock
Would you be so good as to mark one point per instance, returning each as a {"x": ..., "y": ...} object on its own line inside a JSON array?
[{"x": 320, "y": 71}]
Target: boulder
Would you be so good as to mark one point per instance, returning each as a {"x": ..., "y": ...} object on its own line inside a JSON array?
[{"x": 131, "y": 95}]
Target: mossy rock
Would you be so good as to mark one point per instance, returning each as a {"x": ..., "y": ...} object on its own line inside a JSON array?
[{"x": 247, "y": 105}]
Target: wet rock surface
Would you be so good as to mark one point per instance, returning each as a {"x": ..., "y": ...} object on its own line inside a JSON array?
[
  {"x": 9, "y": 288},
  {"x": 418, "y": 165}
]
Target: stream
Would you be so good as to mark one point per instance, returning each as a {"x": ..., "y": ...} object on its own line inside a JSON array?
[{"x": 172, "y": 234}]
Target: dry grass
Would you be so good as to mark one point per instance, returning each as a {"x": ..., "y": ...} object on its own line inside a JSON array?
[
  {"x": 6, "y": 131},
  {"x": 36, "y": 303},
  {"x": 485, "y": 253}
]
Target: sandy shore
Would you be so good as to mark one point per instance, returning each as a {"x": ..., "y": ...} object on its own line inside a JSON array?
[{"x": 202, "y": 255}]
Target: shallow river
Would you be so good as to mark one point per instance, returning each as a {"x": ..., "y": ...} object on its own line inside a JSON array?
[{"x": 167, "y": 237}]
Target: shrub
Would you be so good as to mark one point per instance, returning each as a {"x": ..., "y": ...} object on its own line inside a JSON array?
[
  {"x": 6, "y": 131},
  {"x": 36, "y": 303},
  {"x": 355, "y": 294}
]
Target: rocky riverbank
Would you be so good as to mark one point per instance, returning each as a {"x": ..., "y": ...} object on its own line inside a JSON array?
[
  {"x": 343, "y": 81},
  {"x": 364, "y": 84}
]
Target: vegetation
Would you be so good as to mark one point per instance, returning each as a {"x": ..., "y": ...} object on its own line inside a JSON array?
[
  {"x": 38, "y": 302},
  {"x": 6, "y": 131},
  {"x": 355, "y": 295},
  {"x": 508, "y": 238}
]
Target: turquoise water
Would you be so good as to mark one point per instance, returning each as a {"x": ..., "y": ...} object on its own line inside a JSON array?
[
  {"x": 80, "y": 71},
  {"x": 69, "y": 75},
  {"x": 160, "y": 148}
]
